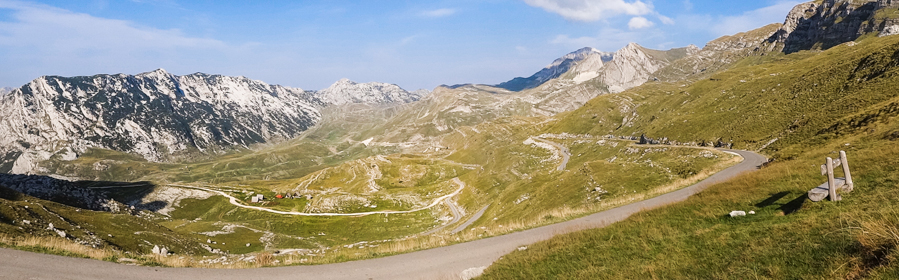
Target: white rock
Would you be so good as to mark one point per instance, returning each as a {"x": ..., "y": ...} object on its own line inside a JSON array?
[
  {"x": 473, "y": 272},
  {"x": 737, "y": 213}
]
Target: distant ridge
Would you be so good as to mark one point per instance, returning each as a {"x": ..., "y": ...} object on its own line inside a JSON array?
[{"x": 555, "y": 69}]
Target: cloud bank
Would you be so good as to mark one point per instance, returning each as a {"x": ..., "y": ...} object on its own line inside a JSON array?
[{"x": 592, "y": 10}]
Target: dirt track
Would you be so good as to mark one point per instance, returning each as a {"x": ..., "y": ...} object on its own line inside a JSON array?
[{"x": 438, "y": 263}]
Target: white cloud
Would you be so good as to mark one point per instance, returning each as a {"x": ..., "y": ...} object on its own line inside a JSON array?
[
  {"x": 639, "y": 23},
  {"x": 37, "y": 37},
  {"x": 592, "y": 10},
  {"x": 750, "y": 20},
  {"x": 438, "y": 13},
  {"x": 688, "y": 5},
  {"x": 608, "y": 39},
  {"x": 666, "y": 20}
]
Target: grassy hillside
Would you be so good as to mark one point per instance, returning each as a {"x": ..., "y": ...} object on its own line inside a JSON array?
[
  {"x": 791, "y": 98},
  {"x": 815, "y": 104}
]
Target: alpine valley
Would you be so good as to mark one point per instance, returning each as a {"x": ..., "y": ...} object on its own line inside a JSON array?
[{"x": 214, "y": 171}]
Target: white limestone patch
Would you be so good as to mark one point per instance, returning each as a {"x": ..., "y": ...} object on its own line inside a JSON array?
[{"x": 172, "y": 196}]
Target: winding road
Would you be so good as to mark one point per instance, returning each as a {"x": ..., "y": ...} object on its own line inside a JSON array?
[
  {"x": 563, "y": 151},
  {"x": 237, "y": 203},
  {"x": 457, "y": 215},
  {"x": 438, "y": 263}
]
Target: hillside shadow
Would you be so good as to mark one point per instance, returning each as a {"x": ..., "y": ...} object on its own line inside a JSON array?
[{"x": 85, "y": 194}]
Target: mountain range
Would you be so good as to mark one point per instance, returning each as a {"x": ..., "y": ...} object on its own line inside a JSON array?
[
  {"x": 161, "y": 116},
  {"x": 165, "y": 117}
]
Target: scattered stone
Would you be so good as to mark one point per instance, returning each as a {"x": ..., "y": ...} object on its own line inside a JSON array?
[
  {"x": 61, "y": 233},
  {"x": 471, "y": 273},
  {"x": 248, "y": 244},
  {"x": 208, "y": 240},
  {"x": 126, "y": 260},
  {"x": 50, "y": 227},
  {"x": 737, "y": 213},
  {"x": 751, "y": 212},
  {"x": 522, "y": 248}
]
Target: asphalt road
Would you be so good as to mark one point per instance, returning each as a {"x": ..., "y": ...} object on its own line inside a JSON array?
[
  {"x": 438, "y": 263},
  {"x": 563, "y": 151}
]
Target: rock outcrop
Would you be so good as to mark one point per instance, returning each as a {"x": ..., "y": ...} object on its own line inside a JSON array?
[
  {"x": 824, "y": 24},
  {"x": 585, "y": 60}
]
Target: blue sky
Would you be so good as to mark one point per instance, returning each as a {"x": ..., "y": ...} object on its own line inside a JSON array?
[{"x": 311, "y": 44}]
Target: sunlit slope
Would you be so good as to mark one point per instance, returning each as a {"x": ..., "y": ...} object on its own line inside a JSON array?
[
  {"x": 790, "y": 98},
  {"x": 815, "y": 103},
  {"x": 520, "y": 181}
]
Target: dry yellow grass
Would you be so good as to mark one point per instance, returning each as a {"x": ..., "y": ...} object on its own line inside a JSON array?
[{"x": 58, "y": 244}]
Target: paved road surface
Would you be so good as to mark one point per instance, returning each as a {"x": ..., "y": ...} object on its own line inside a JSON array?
[
  {"x": 471, "y": 220},
  {"x": 456, "y": 217},
  {"x": 439, "y": 263},
  {"x": 563, "y": 151}
]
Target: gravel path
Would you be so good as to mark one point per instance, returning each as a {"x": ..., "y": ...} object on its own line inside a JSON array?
[{"x": 438, "y": 263}]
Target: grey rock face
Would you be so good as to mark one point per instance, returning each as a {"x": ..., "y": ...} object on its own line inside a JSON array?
[
  {"x": 154, "y": 114},
  {"x": 62, "y": 191},
  {"x": 161, "y": 116},
  {"x": 345, "y": 91},
  {"x": 833, "y": 22}
]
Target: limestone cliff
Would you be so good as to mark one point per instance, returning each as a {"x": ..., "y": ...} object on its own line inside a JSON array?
[{"x": 823, "y": 24}]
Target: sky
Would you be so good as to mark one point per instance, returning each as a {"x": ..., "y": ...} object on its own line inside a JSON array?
[{"x": 312, "y": 44}]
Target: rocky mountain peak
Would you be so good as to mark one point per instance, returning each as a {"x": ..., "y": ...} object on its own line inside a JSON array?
[
  {"x": 346, "y": 91},
  {"x": 5, "y": 90},
  {"x": 558, "y": 67},
  {"x": 343, "y": 81}
]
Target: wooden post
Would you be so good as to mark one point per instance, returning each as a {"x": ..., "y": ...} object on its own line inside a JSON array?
[
  {"x": 831, "y": 183},
  {"x": 849, "y": 185}
]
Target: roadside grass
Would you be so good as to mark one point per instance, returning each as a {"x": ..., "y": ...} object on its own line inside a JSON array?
[{"x": 787, "y": 238}]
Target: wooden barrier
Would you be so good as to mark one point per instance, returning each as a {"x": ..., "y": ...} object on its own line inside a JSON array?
[{"x": 833, "y": 185}]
